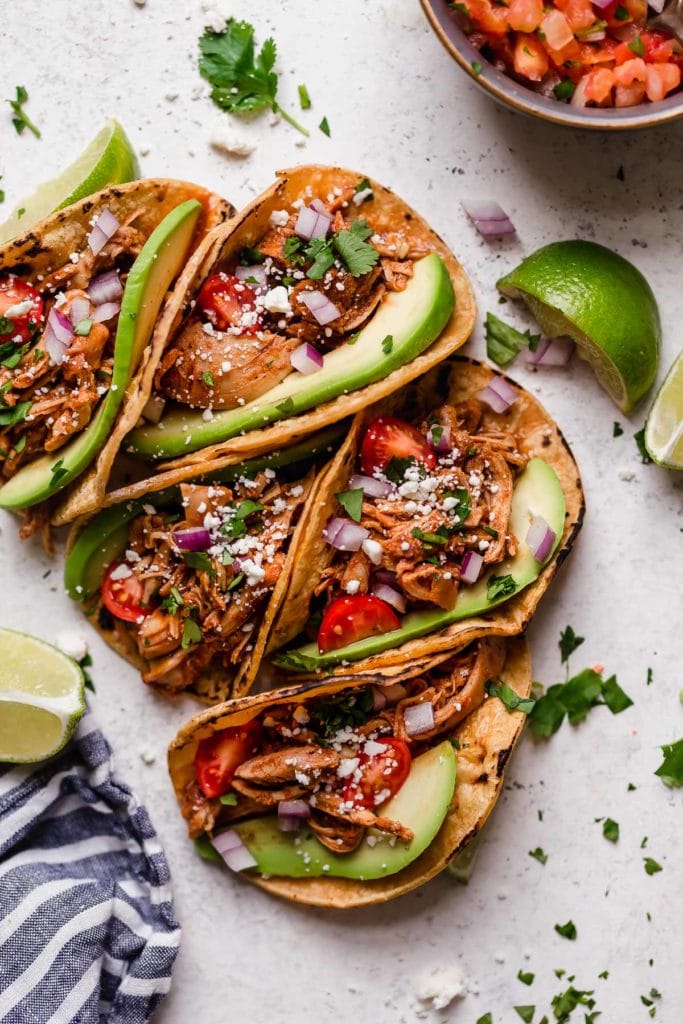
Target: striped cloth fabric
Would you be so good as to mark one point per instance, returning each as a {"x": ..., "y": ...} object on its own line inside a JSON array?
[{"x": 87, "y": 929}]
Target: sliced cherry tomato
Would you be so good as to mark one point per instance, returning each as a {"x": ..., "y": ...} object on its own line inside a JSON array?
[
  {"x": 228, "y": 302},
  {"x": 219, "y": 756},
  {"x": 388, "y": 438},
  {"x": 123, "y": 598},
  {"x": 353, "y": 618},
  {"x": 382, "y": 775},
  {"x": 15, "y": 292}
]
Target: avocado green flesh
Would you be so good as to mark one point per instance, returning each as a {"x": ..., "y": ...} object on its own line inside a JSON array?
[
  {"x": 414, "y": 318},
  {"x": 161, "y": 260},
  {"x": 105, "y": 537},
  {"x": 537, "y": 493},
  {"x": 421, "y": 804}
]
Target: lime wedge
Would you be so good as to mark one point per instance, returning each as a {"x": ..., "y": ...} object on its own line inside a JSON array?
[
  {"x": 42, "y": 697},
  {"x": 664, "y": 426},
  {"x": 108, "y": 160},
  {"x": 600, "y": 300}
]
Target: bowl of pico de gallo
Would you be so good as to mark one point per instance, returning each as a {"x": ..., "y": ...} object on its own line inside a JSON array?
[{"x": 598, "y": 64}]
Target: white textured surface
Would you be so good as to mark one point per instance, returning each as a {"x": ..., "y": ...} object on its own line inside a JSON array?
[{"x": 401, "y": 111}]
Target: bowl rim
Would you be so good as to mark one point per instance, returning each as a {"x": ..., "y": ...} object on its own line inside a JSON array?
[{"x": 517, "y": 97}]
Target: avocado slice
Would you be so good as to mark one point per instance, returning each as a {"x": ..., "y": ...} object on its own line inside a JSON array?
[
  {"x": 537, "y": 492},
  {"x": 161, "y": 260},
  {"x": 302, "y": 856},
  {"x": 104, "y": 538},
  {"x": 413, "y": 319}
]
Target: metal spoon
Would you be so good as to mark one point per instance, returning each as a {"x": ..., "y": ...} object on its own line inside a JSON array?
[{"x": 670, "y": 19}]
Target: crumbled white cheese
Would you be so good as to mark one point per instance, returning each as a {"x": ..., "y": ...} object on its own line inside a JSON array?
[
  {"x": 18, "y": 309},
  {"x": 352, "y": 586},
  {"x": 279, "y": 218},
  {"x": 121, "y": 572},
  {"x": 360, "y": 197},
  {"x": 72, "y": 644},
  {"x": 373, "y": 549},
  {"x": 347, "y": 766},
  {"x": 213, "y": 18},
  {"x": 230, "y": 142},
  {"x": 277, "y": 300},
  {"x": 441, "y": 986}
]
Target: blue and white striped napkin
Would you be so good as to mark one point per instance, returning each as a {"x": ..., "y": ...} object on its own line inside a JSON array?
[{"x": 87, "y": 929}]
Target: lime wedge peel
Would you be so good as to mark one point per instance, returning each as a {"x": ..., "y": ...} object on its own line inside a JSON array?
[
  {"x": 664, "y": 426},
  {"x": 42, "y": 698},
  {"x": 108, "y": 160}
]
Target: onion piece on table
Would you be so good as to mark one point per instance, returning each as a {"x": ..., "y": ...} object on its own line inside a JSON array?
[
  {"x": 104, "y": 227},
  {"x": 551, "y": 352},
  {"x": 306, "y": 359},
  {"x": 344, "y": 534},
  {"x": 194, "y": 538},
  {"x": 233, "y": 851},
  {"x": 540, "y": 538},
  {"x": 471, "y": 567},
  {"x": 419, "y": 718},
  {"x": 488, "y": 217},
  {"x": 320, "y": 306}
]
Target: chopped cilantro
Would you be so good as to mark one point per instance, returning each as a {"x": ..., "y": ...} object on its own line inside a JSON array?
[
  {"x": 670, "y": 770},
  {"x": 610, "y": 829},
  {"x": 291, "y": 247},
  {"x": 649, "y": 677},
  {"x": 286, "y": 407},
  {"x": 568, "y": 643},
  {"x": 352, "y": 502},
  {"x": 511, "y": 700},
  {"x": 477, "y": 67},
  {"x": 500, "y": 586},
  {"x": 21, "y": 120},
  {"x": 58, "y": 472},
  {"x": 357, "y": 253},
  {"x": 173, "y": 602},
  {"x": 337, "y": 713},
  {"x": 539, "y": 855},
  {"x": 17, "y": 353},
  {"x": 567, "y": 931},
  {"x": 242, "y": 81},
  {"x": 604, "y": 975},
  {"x": 295, "y": 661},
  {"x": 504, "y": 342},
  {"x": 387, "y": 344},
  {"x": 614, "y": 697},
  {"x": 637, "y": 46},
  {"x": 485, "y": 1018},
  {"x": 575, "y": 698},
  {"x": 438, "y": 538},
  {"x": 236, "y": 582},
  {"x": 304, "y": 98},
  {"x": 525, "y": 1012},
  {"x": 364, "y": 186},
  {"x": 489, "y": 529},
  {"x": 564, "y": 90},
  {"x": 228, "y": 799},
  {"x": 396, "y": 469},
  {"x": 564, "y": 1004},
  {"x": 651, "y": 866},
  {"x": 526, "y": 977},
  {"x": 464, "y": 503},
  {"x": 20, "y": 444},
  {"x": 85, "y": 663},
  {"x": 617, "y": 429},
  {"x": 192, "y": 634},
  {"x": 83, "y": 327},
  {"x": 321, "y": 253},
  {"x": 643, "y": 843},
  {"x": 248, "y": 255},
  {"x": 8, "y": 417},
  {"x": 639, "y": 438},
  {"x": 199, "y": 560},
  {"x": 324, "y": 127},
  {"x": 207, "y": 378}
]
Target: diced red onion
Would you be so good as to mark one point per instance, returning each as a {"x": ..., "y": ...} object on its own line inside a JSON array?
[
  {"x": 656, "y": 5},
  {"x": 488, "y": 217},
  {"x": 306, "y": 359},
  {"x": 374, "y": 488},
  {"x": 595, "y": 37},
  {"x": 540, "y": 538},
  {"x": 58, "y": 335},
  {"x": 602, "y": 4},
  {"x": 154, "y": 409},
  {"x": 105, "y": 288},
  {"x": 344, "y": 534},
  {"x": 80, "y": 310},
  {"x": 551, "y": 352},
  {"x": 319, "y": 206},
  {"x": 389, "y": 594},
  {"x": 419, "y": 718},
  {"x": 471, "y": 567},
  {"x": 311, "y": 224},
  {"x": 288, "y": 824},
  {"x": 379, "y": 699},
  {"x": 294, "y": 809},
  {"x": 107, "y": 311},
  {"x": 233, "y": 851},
  {"x": 320, "y": 306},
  {"x": 579, "y": 98},
  {"x": 394, "y": 693},
  {"x": 104, "y": 227},
  {"x": 444, "y": 442},
  {"x": 194, "y": 538},
  {"x": 499, "y": 394},
  {"x": 257, "y": 272}
]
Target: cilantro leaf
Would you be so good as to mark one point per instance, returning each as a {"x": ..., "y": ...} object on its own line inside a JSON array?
[
  {"x": 525, "y": 1012},
  {"x": 8, "y": 417},
  {"x": 503, "y": 342},
  {"x": 387, "y": 344},
  {"x": 207, "y": 379},
  {"x": 200, "y": 561},
  {"x": 192, "y": 634},
  {"x": 539, "y": 855},
  {"x": 567, "y": 931},
  {"x": 564, "y": 1004},
  {"x": 320, "y": 251},
  {"x": 639, "y": 438},
  {"x": 637, "y": 46},
  {"x": 357, "y": 253},
  {"x": 564, "y": 90},
  {"x": 352, "y": 502},
  {"x": 614, "y": 697},
  {"x": 324, "y": 127},
  {"x": 304, "y": 98},
  {"x": 173, "y": 602},
  {"x": 242, "y": 81},
  {"x": 396, "y": 468},
  {"x": 511, "y": 700},
  {"x": 500, "y": 586},
  {"x": 58, "y": 472},
  {"x": 21, "y": 119},
  {"x": 651, "y": 866},
  {"x": 526, "y": 977},
  {"x": 610, "y": 829},
  {"x": 295, "y": 661},
  {"x": 617, "y": 429},
  {"x": 575, "y": 698},
  {"x": 228, "y": 799},
  {"x": 85, "y": 663},
  {"x": 568, "y": 643},
  {"x": 670, "y": 770},
  {"x": 485, "y": 1018}
]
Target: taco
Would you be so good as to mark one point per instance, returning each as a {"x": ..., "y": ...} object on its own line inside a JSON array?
[
  {"x": 184, "y": 582},
  {"x": 353, "y": 790},
  {"x": 80, "y": 293},
  {"x": 327, "y": 293},
  {"x": 443, "y": 517}
]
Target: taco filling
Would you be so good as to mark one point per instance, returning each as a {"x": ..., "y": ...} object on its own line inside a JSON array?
[
  {"x": 333, "y": 768},
  {"x": 427, "y": 512},
  {"x": 57, "y": 334},
  {"x": 306, "y": 286},
  {"x": 190, "y": 587}
]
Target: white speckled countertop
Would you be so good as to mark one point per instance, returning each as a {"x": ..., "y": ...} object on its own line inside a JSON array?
[{"x": 400, "y": 110}]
